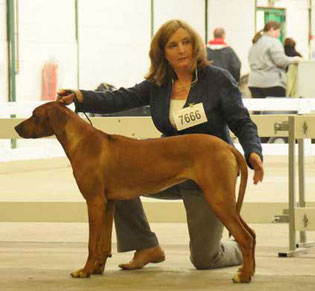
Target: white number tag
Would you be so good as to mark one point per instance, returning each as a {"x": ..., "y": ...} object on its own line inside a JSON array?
[{"x": 190, "y": 116}]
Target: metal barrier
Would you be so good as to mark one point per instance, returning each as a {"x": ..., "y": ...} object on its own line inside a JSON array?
[
  {"x": 296, "y": 127},
  {"x": 143, "y": 127},
  {"x": 136, "y": 127},
  {"x": 301, "y": 218}
]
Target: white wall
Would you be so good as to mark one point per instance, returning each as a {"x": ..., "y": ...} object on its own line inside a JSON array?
[
  {"x": 312, "y": 49},
  {"x": 115, "y": 37},
  {"x": 46, "y": 33},
  {"x": 3, "y": 53},
  {"x": 238, "y": 19},
  {"x": 114, "y": 42},
  {"x": 296, "y": 22},
  {"x": 190, "y": 11}
]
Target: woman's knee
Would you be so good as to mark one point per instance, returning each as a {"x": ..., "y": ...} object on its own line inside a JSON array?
[
  {"x": 228, "y": 254},
  {"x": 204, "y": 262}
]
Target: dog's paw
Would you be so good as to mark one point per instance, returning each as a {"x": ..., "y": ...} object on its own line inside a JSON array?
[
  {"x": 241, "y": 278},
  {"x": 80, "y": 274},
  {"x": 241, "y": 270},
  {"x": 99, "y": 269}
]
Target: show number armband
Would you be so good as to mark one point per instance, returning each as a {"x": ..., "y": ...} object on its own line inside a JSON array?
[{"x": 190, "y": 116}]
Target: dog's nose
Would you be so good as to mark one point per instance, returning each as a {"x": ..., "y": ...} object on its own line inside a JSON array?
[{"x": 18, "y": 129}]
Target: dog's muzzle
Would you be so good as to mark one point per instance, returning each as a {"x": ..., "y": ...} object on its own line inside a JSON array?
[{"x": 19, "y": 129}]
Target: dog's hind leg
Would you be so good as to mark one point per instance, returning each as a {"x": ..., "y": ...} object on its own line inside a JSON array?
[
  {"x": 104, "y": 246},
  {"x": 96, "y": 213},
  {"x": 224, "y": 206},
  {"x": 253, "y": 234}
]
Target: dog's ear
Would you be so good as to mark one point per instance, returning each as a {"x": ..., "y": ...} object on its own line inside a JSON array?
[{"x": 58, "y": 114}]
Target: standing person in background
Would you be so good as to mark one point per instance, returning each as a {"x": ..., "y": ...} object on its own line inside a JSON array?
[
  {"x": 268, "y": 63},
  {"x": 292, "y": 70},
  {"x": 179, "y": 77},
  {"x": 289, "y": 48},
  {"x": 222, "y": 55}
]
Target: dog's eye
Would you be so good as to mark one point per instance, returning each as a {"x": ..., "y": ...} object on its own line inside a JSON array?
[{"x": 35, "y": 118}]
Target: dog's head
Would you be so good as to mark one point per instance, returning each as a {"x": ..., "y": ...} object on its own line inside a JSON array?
[{"x": 39, "y": 124}]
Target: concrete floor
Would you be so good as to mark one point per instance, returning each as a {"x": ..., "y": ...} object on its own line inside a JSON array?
[{"x": 40, "y": 256}]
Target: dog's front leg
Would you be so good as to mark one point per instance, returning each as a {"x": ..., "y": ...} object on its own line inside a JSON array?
[
  {"x": 104, "y": 247},
  {"x": 96, "y": 214}
]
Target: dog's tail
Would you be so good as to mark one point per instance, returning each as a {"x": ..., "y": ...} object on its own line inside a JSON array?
[{"x": 244, "y": 176}]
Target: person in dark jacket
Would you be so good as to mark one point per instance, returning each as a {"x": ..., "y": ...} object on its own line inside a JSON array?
[
  {"x": 179, "y": 77},
  {"x": 222, "y": 55},
  {"x": 289, "y": 48}
]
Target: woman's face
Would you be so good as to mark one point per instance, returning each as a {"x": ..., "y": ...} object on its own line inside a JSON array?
[
  {"x": 178, "y": 50},
  {"x": 275, "y": 32}
]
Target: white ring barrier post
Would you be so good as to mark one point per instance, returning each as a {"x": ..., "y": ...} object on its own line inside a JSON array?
[
  {"x": 301, "y": 218},
  {"x": 268, "y": 125}
]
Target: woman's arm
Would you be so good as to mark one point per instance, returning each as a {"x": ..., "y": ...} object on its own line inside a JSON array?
[
  {"x": 242, "y": 126},
  {"x": 108, "y": 101},
  {"x": 278, "y": 56},
  {"x": 238, "y": 119}
]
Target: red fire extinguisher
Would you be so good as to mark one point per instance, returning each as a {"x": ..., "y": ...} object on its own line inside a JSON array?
[{"x": 49, "y": 81}]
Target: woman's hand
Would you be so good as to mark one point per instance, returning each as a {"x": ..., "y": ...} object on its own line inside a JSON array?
[
  {"x": 65, "y": 96},
  {"x": 297, "y": 59},
  {"x": 258, "y": 167}
]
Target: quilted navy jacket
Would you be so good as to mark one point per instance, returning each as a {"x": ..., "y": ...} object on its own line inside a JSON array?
[{"x": 216, "y": 89}]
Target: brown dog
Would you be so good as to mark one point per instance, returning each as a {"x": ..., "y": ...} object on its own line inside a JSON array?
[{"x": 112, "y": 167}]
